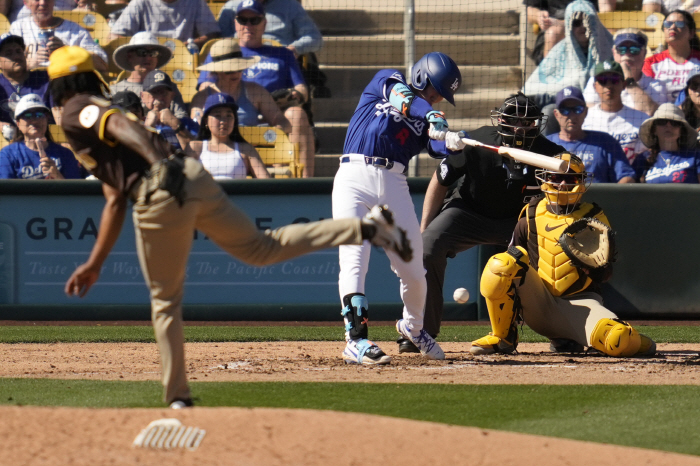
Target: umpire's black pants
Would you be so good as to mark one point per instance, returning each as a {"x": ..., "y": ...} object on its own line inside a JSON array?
[{"x": 455, "y": 229}]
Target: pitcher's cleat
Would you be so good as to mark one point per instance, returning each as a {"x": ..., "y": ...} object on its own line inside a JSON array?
[
  {"x": 386, "y": 234},
  {"x": 423, "y": 341},
  {"x": 647, "y": 349},
  {"x": 364, "y": 352},
  {"x": 491, "y": 344}
]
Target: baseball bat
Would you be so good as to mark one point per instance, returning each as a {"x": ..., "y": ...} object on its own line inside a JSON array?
[{"x": 524, "y": 156}]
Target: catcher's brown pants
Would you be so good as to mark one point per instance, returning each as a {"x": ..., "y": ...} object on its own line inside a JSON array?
[
  {"x": 571, "y": 317},
  {"x": 164, "y": 234}
]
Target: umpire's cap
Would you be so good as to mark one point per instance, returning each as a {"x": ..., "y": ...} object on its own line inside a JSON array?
[
  {"x": 439, "y": 70},
  {"x": 70, "y": 60}
]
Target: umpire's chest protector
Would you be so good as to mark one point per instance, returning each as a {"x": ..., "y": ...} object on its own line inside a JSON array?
[{"x": 560, "y": 277}]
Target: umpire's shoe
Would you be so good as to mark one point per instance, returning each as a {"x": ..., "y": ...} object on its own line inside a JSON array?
[
  {"x": 406, "y": 345},
  {"x": 365, "y": 352},
  {"x": 379, "y": 228},
  {"x": 423, "y": 341}
]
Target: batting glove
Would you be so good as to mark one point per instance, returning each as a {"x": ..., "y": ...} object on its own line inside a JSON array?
[
  {"x": 453, "y": 141},
  {"x": 438, "y": 125},
  {"x": 401, "y": 98}
]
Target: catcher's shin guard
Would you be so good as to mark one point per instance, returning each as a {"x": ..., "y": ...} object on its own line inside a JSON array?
[
  {"x": 355, "y": 314},
  {"x": 618, "y": 338},
  {"x": 498, "y": 289}
]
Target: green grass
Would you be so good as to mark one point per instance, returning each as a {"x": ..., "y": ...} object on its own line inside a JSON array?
[
  {"x": 144, "y": 333},
  {"x": 657, "y": 417}
]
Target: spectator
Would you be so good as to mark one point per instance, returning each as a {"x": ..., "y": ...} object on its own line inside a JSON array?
[
  {"x": 177, "y": 19},
  {"x": 15, "y": 9},
  {"x": 16, "y": 80},
  {"x": 641, "y": 92},
  {"x": 219, "y": 145},
  {"x": 600, "y": 152},
  {"x": 142, "y": 55},
  {"x": 664, "y": 6},
  {"x": 571, "y": 61},
  {"x": 130, "y": 102},
  {"x": 62, "y": 32},
  {"x": 35, "y": 155},
  {"x": 549, "y": 16},
  {"x": 673, "y": 155},
  {"x": 611, "y": 115},
  {"x": 287, "y": 23},
  {"x": 681, "y": 59},
  {"x": 157, "y": 95},
  {"x": 253, "y": 100},
  {"x": 691, "y": 100}
]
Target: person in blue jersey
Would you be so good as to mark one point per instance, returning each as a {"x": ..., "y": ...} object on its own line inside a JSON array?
[
  {"x": 35, "y": 156},
  {"x": 602, "y": 155},
  {"x": 393, "y": 122},
  {"x": 674, "y": 155}
]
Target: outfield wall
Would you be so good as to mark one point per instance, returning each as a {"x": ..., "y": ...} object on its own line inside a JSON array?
[{"x": 48, "y": 227}]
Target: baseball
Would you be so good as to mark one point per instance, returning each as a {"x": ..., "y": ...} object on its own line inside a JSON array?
[{"x": 461, "y": 295}]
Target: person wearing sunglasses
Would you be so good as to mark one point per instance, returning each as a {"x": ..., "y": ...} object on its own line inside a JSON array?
[
  {"x": 674, "y": 155},
  {"x": 600, "y": 152},
  {"x": 611, "y": 115},
  {"x": 177, "y": 19},
  {"x": 641, "y": 92},
  {"x": 35, "y": 156},
  {"x": 534, "y": 281},
  {"x": 681, "y": 57}
]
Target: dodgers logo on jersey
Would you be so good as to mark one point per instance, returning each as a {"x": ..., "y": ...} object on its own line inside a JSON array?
[{"x": 385, "y": 108}]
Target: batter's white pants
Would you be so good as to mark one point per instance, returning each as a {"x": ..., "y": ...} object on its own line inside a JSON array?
[{"x": 356, "y": 189}]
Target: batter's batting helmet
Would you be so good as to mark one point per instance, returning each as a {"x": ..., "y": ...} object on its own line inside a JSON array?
[{"x": 439, "y": 70}]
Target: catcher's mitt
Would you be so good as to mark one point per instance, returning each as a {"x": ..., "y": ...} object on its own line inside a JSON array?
[
  {"x": 286, "y": 98},
  {"x": 589, "y": 243}
]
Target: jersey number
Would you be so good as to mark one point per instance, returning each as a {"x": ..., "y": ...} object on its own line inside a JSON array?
[
  {"x": 402, "y": 136},
  {"x": 678, "y": 177}
]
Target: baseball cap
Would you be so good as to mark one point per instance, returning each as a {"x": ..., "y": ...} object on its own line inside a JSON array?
[
  {"x": 608, "y": 66},
  {"x": 69, "y": 60},
  {"x": 29, "y": 102},
  {"x": 125, "y": 99},
  {"x": 226, "y": 56},
  {"x": 637, "y": 39},
  {"x": 219, "y": 99},
  {"x": 8, "y": 37},
  {"x": 570, "y": 93},
  {"x": 157, "y": 78},
  {"x": 252, "y": 5}
]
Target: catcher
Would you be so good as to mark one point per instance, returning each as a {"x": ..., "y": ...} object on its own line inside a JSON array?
[{"x": 562, "y": 250}]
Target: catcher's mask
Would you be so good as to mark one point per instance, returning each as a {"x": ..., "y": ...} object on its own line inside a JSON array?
[
  {"x": 564, "y": 190},
  {"x": 519, "y": 121}
]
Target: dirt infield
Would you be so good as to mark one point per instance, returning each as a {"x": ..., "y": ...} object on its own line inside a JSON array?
[{"x": 61, "y": 436}]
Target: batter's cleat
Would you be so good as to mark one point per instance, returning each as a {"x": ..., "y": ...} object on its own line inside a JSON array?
[
  {"x": 426, "y": 344},
  {"x": 406, "y": 345},
  {"x": 386, "y": 234},
  {"x": 491, "y": 344},
  {"x": 564, "y": 345},
  {"x": 647, "y": 349},
  {"x": 181, "y": 404},
  {"x": 364, "y": 352}
]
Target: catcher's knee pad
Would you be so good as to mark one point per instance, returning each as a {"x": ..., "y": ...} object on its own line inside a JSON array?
[
  {"x": 615, "y": 338},
  {"x": 498, "y": 289},
  {"x": 355, "y": 313}
]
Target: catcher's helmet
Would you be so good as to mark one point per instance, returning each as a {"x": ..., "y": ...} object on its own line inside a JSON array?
[
  {"x": 519, "y": 121},
  {"x": 439, "y": 70},
  {"x": 565, "y": 189}
]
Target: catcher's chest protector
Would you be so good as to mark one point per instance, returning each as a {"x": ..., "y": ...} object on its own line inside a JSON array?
[{"x": 553, "y": 266}]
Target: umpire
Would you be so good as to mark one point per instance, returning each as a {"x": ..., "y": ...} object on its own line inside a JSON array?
[{"x": 490, "y": 193}]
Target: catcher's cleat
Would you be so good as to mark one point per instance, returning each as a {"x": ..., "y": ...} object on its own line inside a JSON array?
[
  {"x": 406, "y": 345},
  {"x": 386, "y": 234},
  {"x": 364, "y": 352},
  {"x": 182, "y": 404},
  {"x": 426, "y": 344},
  {"x": 564, "y": 345},
  {"x": 647, "y": 348},
  {"x": 491, "y": 344}
]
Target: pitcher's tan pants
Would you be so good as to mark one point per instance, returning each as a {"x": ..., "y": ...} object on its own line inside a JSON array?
[{"x": 164, "y": 234}]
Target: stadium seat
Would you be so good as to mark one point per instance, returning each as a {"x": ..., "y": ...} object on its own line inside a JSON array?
[
  {"x": 4, "y": 24},
  {"x": 216, "y": 8},
  {"x": 95, "y": 23},
  {"x": 650, "y": 23},
  {"x": 278, "y": 153}
]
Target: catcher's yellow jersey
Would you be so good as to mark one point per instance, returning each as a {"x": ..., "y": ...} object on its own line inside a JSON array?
[{"x": 560, "y": 277}]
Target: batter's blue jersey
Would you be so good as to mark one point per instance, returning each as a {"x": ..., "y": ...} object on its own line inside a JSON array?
[{"x": 378, "y": 129}]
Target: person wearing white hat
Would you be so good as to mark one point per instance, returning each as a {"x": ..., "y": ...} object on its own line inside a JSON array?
[
  {"x": 674, "y": 155},
  {"x": 35, "y": 155}
]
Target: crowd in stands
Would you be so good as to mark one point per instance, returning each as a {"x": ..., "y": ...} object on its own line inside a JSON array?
[{"x": 609, "y": 98}]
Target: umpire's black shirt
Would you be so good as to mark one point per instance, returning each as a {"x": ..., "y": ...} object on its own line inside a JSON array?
[{"x": 483, "y": 182}]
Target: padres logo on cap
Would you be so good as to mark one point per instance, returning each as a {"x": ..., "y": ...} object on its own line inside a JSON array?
[
  {"x": 247, "y": 3},
  {"x": 159, "y": 77}
]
